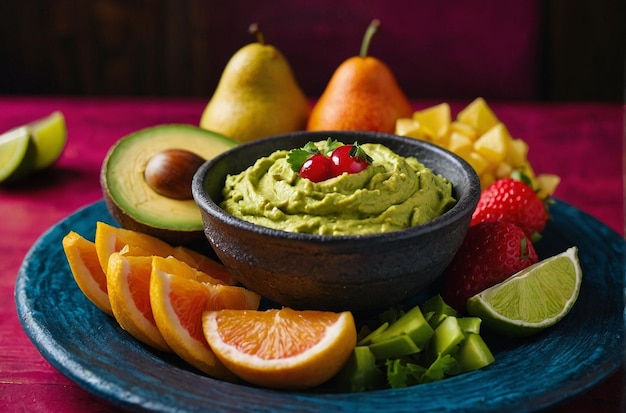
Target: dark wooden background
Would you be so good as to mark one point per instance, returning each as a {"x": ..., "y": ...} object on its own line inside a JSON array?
[{"x": 166, "y": 47}]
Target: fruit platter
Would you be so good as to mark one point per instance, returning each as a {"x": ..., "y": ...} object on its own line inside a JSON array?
[{"x": 160, "y": 296}]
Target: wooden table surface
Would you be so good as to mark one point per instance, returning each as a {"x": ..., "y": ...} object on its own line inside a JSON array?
[{"x": 581, "y": 142}]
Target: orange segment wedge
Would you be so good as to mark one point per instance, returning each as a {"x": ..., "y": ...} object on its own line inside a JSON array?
[
  {"x": 172, "y": 265},
  {"x": 205, "y": 264},
  {"x": 128, "y": 283},
  {"x": 134, "y": 251},
  {"x": 110, "y": 239},
  {"x": 178, "y": 302},
  {"x": 285, "y": 349},
  {"x": 85, "y": 267}
]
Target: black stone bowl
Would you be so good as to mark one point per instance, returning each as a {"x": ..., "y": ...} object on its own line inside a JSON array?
[{"x": 362, "y": 273}]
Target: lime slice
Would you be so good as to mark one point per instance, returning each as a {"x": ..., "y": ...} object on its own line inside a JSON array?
[
  {"x": 533, "y": 299},
  {"x": 49, "y": 135},
  {"x": 16, "y": 154}
]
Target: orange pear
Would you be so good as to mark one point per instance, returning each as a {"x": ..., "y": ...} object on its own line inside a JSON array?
[{"x": 362, "y": 94}]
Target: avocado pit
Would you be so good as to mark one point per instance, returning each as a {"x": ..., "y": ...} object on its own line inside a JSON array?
[{"x": 170, "y": 172}]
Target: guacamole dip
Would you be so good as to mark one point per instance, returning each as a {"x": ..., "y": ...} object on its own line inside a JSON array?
[{"x": 392, "y": 193}]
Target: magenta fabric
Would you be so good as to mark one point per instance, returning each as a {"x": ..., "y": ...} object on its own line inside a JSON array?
[
  {"x": 582, "y": 143},
  {"x": 436, "y": 49}
]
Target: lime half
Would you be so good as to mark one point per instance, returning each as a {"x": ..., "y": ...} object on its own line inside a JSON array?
[
  {"x": 532, "y": 300},
  {"x": 16, "y": 154},
  {"x": 49, "y": 135}
]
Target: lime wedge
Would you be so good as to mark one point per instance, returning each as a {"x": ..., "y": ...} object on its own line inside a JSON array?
[
  {"x": 49, "y": 135},
  {"x": 16, "y": 154},
  {"x": 533, "y": 299}
]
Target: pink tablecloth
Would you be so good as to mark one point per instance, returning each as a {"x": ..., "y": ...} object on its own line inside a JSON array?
[{"x": 580, "y": 142}]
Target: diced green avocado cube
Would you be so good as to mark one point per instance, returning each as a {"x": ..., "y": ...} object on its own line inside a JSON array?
[
  {"x": 411, "y": 324},
  {"x": 473, "y": 353},
  {"x": 436, "y": 319},
  {"x": 368, "y": 338},
  {"x": 360, "y": 372},
  {"x": 394, "y": 347},
  {"x": 447, "y": 336},
  {"x": 470, "y": 325}
]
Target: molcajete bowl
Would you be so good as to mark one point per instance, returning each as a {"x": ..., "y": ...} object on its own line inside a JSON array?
[{"x": 360, "y": 273}]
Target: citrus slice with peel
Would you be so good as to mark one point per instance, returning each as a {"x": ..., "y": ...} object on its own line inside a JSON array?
[
  {"x": 83, "y": 261},
  {"x": 128, "y": 284},
  {"x": 178, "y": 302},
  {"x": 16, "y": 154},
  {"x": 283, "y": 349},
  {"x": 204, "y": 267},
  {"x": 49, "y": 134},
  {"x": 533, "y": 299},
  {"x": 204, "y": 263},
  {"x": 110, "y": 239},
  {"x": 173, "y": 265}
]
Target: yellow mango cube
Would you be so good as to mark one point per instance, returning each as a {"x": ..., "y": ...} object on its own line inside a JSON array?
[
  {"x": 477, "y": 161},
  {"x": 527, "y": 169},
  {"x": 503, "y": 170},
  {"x": 434, "y": 120},
  {"x": 486, "y": 179},
  {"x": 464, "y": 129},
  {"x": 517, "y": 152},
  {"x": 441, "y": 140},
  {"x": 547, "y": 184},
  {"x": 478, "y": 115},
  {"x": 410, "y": 128},
  {"x": 460, "y": 144},
  {"x": 494, "y": 143}
]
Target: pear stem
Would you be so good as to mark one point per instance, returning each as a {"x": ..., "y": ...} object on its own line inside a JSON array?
[
  {"x": 254, "y": 29},
  {"x": 369, "y": 33}
]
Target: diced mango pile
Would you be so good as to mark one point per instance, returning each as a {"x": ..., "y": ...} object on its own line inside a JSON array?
[{"x": 480, "y": 138}]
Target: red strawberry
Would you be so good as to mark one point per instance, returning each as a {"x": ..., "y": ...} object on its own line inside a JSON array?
[
  {"x": 513, "y": 201},
  {"x": 490, "y": 253}
]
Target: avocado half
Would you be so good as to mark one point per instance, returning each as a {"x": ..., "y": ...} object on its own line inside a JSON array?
[{"x": 133, "y": 203}]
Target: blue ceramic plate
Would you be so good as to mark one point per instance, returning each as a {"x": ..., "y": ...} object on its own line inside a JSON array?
[{"x": 89, "y": 348}]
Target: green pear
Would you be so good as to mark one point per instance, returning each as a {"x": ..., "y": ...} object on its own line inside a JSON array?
[{"x": 257, "y": 95}]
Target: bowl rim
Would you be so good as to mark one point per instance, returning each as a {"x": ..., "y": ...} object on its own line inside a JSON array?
[{"x": 454, "y": 214}]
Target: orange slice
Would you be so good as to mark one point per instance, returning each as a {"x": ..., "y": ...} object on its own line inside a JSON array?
[
  {"x": 285, "y": 349},
  {"x": 172, "y": 265},
  {"x": 85, "y": 267},
  {"x": 205, "y": 264},
  {"x": 178, "y": 301},
  {"x": 110, "y": 239},
  {"x": 128, "y": 283},
  {"x": 134, "y": 251}
]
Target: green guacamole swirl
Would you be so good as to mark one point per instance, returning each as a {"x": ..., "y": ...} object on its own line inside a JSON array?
[{"x": 391, "y": 194}]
